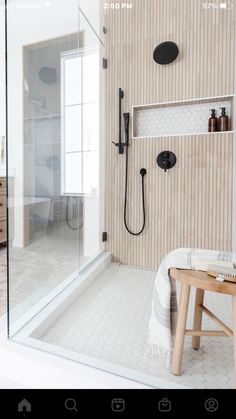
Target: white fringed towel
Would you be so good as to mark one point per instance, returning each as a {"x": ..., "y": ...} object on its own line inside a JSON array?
[{"x": 163, "y": 318}]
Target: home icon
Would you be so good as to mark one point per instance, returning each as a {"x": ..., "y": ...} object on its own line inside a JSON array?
[{"x": 24, "y": 406}]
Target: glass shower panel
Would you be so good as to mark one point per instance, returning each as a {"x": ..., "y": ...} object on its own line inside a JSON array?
[
  {"x": 73, "y": 116},
  {"x": 73, "y": 74},
  {"x": 91, "y": 76},
  {"x": 44, "y": 142},
  {"x": 91, "y": 130},
  {"x": 91, "y": 57}
]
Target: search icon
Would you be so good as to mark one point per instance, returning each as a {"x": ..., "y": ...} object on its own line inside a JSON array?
[{"x": 70, "y": 404}]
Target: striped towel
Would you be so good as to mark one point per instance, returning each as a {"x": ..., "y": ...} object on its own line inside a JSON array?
[{"x": 162, "y": 323}]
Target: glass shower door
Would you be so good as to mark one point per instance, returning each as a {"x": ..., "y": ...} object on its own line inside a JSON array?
[
  {"x": 80, "y": 117},
  {"x": 90, "y": 57},
  {"x": 53, "y": 152}
]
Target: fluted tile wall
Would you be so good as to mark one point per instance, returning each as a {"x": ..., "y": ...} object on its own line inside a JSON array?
[{"x": 191, "y": 205}]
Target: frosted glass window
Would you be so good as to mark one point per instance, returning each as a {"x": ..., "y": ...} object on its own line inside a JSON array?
[
  {"x": 73, "y": 76},
  {"x": 91, "y": 172},
  {"x": 91, "y": 126},
  {"x": 91, "y": 78},
  {"x": 73, "y": 173},
  {"x": 73, "y": 134}
]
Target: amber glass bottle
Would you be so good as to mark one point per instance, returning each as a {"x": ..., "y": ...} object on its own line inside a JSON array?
[
  {"x": 212, "y": 122},
  {"x": 223, "y": 121}
]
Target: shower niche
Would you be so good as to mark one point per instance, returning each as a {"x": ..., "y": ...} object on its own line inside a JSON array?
[{"x": 179, "y": 118}]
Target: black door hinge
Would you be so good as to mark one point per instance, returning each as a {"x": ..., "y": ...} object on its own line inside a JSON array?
[
  {"x": 104, "y": 63},
  {"x": 104, "y": 236}
]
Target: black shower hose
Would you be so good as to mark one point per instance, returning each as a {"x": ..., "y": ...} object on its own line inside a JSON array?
[{"x": 142, "y": 173}]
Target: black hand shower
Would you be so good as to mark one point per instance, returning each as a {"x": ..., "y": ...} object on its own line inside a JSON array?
[
  {"x": 126, "y": 125},
  {"x": 119, "y": 144},
  {"x": 142, "y": 173}
]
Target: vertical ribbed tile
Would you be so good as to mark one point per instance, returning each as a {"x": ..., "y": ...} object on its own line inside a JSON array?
[{"x": 191, "y": 205}]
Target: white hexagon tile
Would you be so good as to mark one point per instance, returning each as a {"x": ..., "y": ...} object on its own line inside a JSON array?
[
  {"x": 176, "y": 120},
  {"x": 109, "y": 321}
]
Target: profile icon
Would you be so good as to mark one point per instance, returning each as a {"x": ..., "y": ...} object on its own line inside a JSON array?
[{"x": 211, "y": 405}]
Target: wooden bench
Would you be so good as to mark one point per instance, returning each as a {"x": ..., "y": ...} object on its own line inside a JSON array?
[{"x": 202, "y": 282}]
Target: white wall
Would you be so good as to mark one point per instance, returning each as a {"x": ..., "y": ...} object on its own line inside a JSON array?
[{"x": 29, "y": 22}]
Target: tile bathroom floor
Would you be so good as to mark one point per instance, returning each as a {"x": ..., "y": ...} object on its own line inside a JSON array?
[
  {"x": 44, "y": 263},
  {"x": 109, "y": 321}
]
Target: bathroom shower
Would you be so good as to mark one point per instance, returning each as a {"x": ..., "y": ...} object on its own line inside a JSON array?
[
  {"x": 96, "y": 227},
  {"x": 164, "y": 53},
  {"x": 143, "y": 171}
]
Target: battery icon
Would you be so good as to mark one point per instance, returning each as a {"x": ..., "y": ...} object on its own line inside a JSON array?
[{"x": 223, "y": 5}]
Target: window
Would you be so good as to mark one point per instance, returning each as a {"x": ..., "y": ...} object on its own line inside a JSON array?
[{"x": 80, "y": 123}]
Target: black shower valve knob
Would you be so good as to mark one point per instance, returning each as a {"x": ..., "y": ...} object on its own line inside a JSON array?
[
  {"x": 166, "y": 160},
  {"x": 166, "y": 165}
]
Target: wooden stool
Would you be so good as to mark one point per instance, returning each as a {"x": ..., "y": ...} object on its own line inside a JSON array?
[{"x": 202, "y": 282}]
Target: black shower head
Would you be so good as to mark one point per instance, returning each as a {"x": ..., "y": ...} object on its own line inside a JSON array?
[{"x": 166, "y": 52}]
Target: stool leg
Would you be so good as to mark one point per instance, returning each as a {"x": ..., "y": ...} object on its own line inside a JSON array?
[
  {"x": 180, "y": 329},
  {"x": 197, "y": 322},
  {"x": 234, "y": 330}
]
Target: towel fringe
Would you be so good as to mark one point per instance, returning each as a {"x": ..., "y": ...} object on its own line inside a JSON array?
[{"x": 157, "y": 352}]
